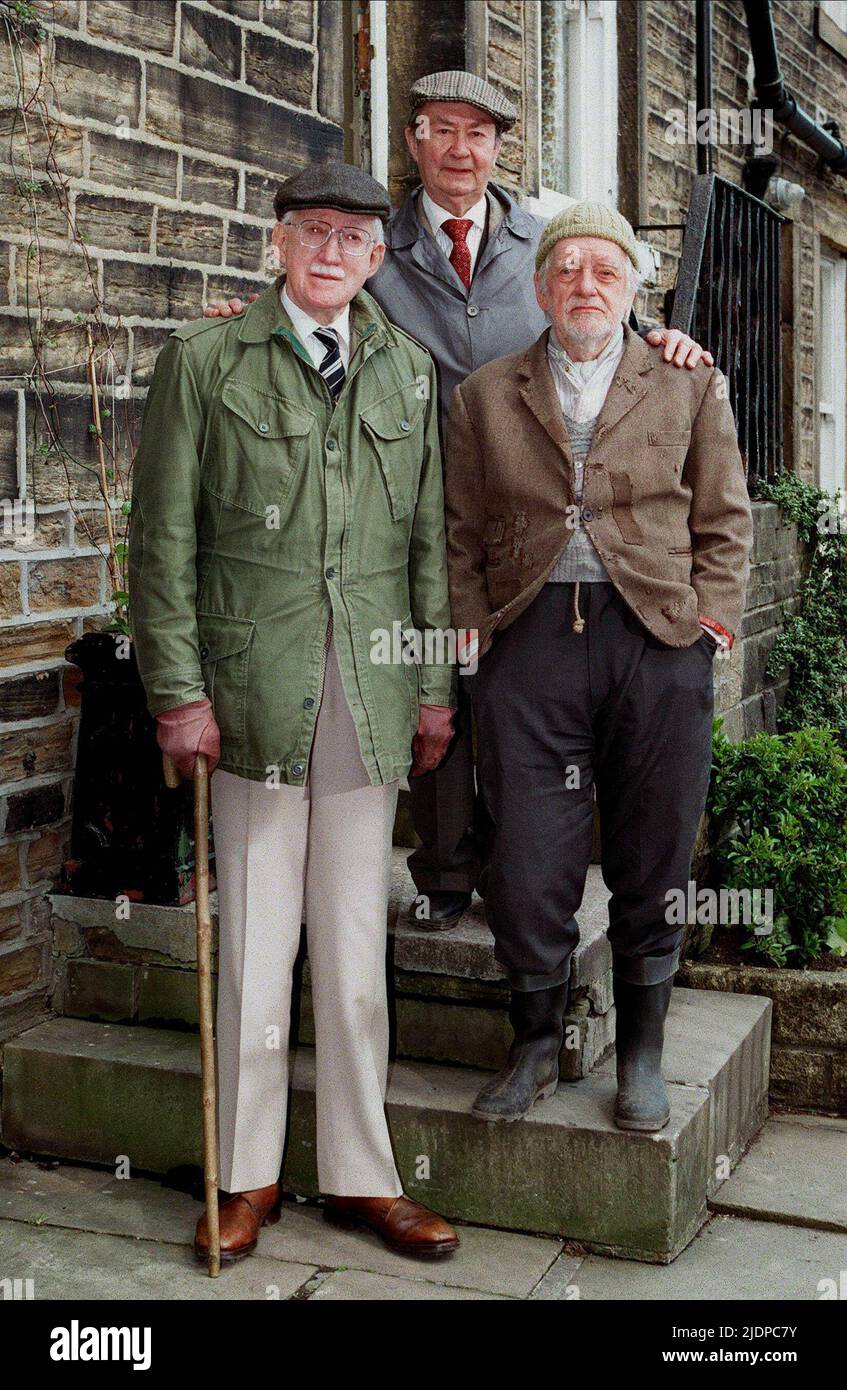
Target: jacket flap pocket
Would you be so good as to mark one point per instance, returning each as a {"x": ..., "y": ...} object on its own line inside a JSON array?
[
  {"x": 669, "y": 439},
  {"x": 221, "y": 635},
  {"x": 395, "y": 417},
  {"x": 268, "y": 416}
]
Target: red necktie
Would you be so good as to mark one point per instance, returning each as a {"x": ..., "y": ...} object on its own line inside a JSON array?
[{"x": 457, "y": 229}]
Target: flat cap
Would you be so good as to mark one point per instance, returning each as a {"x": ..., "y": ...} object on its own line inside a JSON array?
[
  {"x": 456, "y": 85},
  {"x": 333, "y": 185}
]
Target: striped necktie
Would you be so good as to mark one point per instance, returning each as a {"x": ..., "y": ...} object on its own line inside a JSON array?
[{"x": 332, "y": 367}]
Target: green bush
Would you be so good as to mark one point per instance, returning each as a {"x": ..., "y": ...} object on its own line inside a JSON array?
[{"x": 778, "y": 820}]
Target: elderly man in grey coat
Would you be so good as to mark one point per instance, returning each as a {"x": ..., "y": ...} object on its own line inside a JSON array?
[{"x": 458, "y": 277}]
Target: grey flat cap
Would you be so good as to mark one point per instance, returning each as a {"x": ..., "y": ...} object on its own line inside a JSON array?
[
  {"x": 464, "y": 86},
  {"x": 333, "y": 185}
]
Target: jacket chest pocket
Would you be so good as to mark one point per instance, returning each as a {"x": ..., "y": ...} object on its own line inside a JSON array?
[
  {"x": 255, "y": 450},
  {"x": 394, "y": 429},
  {"x": 225, "y": 645}
]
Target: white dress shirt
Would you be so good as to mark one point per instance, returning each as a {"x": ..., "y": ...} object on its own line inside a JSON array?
[
  {"x": 436, "y": 215},
  {"x": 582, "y": 387},
  {"x": 304, "y": 326}
]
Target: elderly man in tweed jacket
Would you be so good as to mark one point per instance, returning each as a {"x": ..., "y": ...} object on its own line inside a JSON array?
[{"x": 599, "y": 531}]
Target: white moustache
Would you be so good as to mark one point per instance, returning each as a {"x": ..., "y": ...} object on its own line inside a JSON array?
[{"x": 330, "y": 272}]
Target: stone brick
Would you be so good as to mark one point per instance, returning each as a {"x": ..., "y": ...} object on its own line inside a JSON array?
[
  {"x": 32, "y": 752},
  {"x": 152, "y": 291},
  {"x": 103, "y": 220},
  {"x": 71, "y": 583},
  {"x": 97, "y": 82},
  {"x": 54, "y": 476},
  {"x": 242, "y": 9},
  {"x": 44, "y": 857},
  {"x": 100, "y": 990},
  {"x": 245, "y": 246},
  {"x": 210, "y": 42},
  {"x": 18, "y": 969},
  {"x": 35, "y": 642},
  {"x": 147, "y": 344},
  {"x": 188, "y": 236},
  {"x": 63, "y": 278},
  {"x": 279, "y": 69},
  {"x": 188, "y": 110},
  {"x": 11, "y": 924},
  {"x": 21, "y": 210},
  {"x": 133, "y": 25},
  {"x": 48, "y": 532},
  {"x": 38, "y": 806},
  {"x": 10, "y": 868},
  {"x": 203, "y": 182},
  {"x": 61, "y": 143},
  {"x": 33, "y": 696},
  {"x": 294, "y": 18},
  {"x": 152, "y": 168},
  {"x": 10, "y": 590},
  {"x": 259, "y": 193}
]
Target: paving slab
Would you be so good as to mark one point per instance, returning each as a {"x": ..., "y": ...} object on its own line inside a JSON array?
[
  {"x": 498, "y": 1262},
  {"x": 66, "y": 1264},
  {"x": 357, "y": 1285},
  {"x": 795, "y": 1171},
  {"x": 731, "y": 1258}
]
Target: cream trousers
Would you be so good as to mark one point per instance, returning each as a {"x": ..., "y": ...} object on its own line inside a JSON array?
[{"x": 330, "y": 843}]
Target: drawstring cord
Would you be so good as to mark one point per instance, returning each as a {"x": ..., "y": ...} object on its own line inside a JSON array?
[{"x": 579, "y": 622}]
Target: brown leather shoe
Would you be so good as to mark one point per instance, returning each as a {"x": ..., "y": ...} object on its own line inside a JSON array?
[
  {"x": 240, "y": 1217},
  {"x": 405, "y": 1225}
]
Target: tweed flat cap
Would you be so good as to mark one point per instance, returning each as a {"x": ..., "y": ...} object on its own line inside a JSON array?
[
  {"x": 464, "y": 86},
  {"x": 333, "y": 185}
]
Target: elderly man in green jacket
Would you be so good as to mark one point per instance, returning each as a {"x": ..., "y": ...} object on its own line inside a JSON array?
[{"x": 288, "y": 515}]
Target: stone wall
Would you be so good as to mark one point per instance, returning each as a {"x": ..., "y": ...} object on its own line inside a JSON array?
[
  {"x": 745, "y": 698},
  {"x": 170, "y": 128}
]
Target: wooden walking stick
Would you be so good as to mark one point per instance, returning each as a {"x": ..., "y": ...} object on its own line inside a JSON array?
[{"x": 204, "y": 993}]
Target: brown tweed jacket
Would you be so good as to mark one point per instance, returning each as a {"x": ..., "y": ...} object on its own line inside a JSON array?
[{"x": 664, "y": 493}]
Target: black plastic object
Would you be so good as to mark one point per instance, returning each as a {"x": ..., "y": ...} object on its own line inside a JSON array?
[{"x": 130, "y": 834}]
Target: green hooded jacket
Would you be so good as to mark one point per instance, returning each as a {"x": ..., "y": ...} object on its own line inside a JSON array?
[{"x": 261, "y": 515}]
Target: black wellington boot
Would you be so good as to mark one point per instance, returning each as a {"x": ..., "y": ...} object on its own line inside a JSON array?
[
  {"x": 532, "y": 1071},
  {"x": 640, "y": 1011}
]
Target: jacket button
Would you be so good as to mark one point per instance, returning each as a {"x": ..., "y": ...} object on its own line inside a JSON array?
[
  {"x": 297, "y": 769},
  {"x": 263, "y": 427},
  {"x": 308, "y": 703},
  {"x": 330, "y": 574},
  {"x": 204, "y": 652},
  {"x": 404, "y": 425},
  {"x": 331, "y": 445},
  {"x": 473, "y": 310}
]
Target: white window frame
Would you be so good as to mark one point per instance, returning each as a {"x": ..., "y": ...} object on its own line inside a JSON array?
[
  {"x": 378, "y": 26},
  {"x": 831, "y": 362},
  {"x": 590, "y": 93}
]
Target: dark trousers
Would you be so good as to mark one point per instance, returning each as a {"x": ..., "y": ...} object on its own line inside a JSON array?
[
  {"x": 448, "y": 815},
  {"x": 558, "y": 713}
]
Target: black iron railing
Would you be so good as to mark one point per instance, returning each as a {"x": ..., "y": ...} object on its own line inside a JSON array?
[{"x": 727, "y": 296}]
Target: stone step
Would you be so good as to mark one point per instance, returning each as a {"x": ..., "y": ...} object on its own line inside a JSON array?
[
  {"x": 449, "y": 996},
  {"x": 94, "y": 1092}
]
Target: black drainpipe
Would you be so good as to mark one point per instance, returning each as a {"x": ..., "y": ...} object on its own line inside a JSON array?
[
  {"x": 773, "y": 95},
  {"x": 703, "y": 52}
]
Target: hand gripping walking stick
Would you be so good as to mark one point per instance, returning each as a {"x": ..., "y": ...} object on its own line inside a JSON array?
[{"x": 204, "y": 994}]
